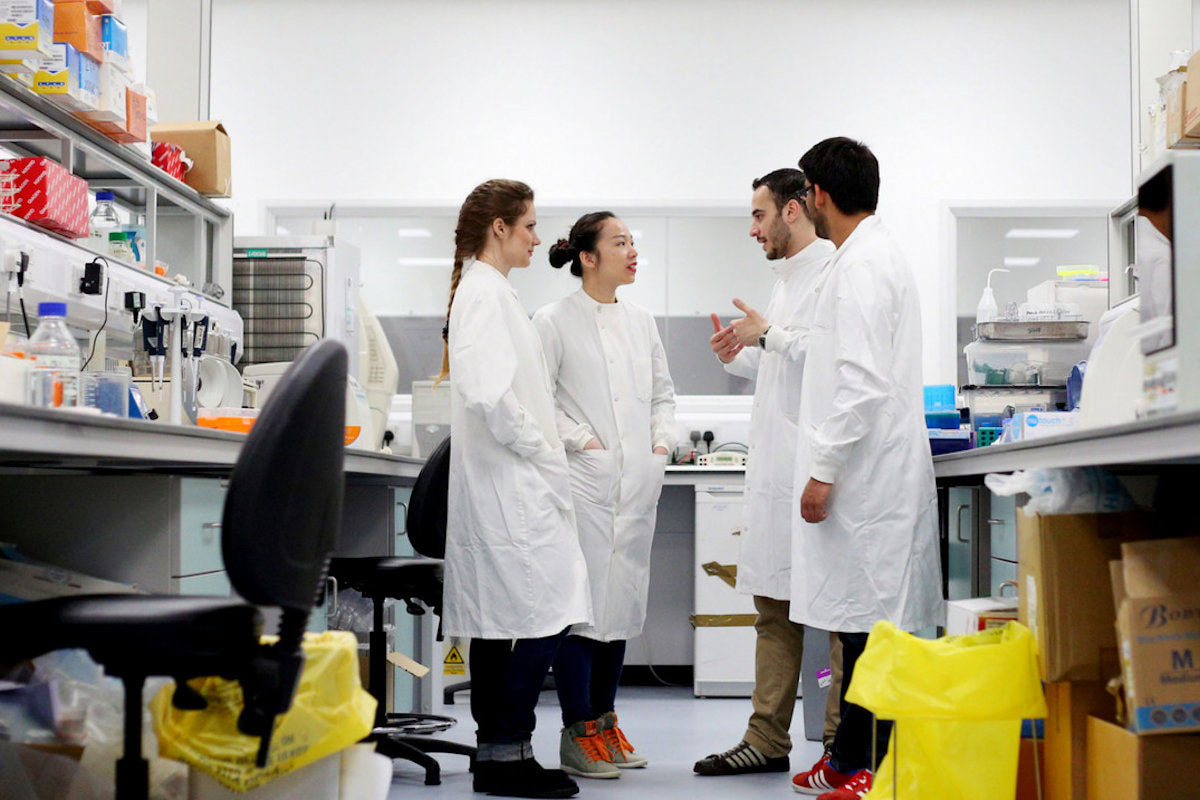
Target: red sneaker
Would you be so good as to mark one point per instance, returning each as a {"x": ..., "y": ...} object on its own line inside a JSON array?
[
  {"x": 856, "y": 787},
  {"x": 820, "y": 779}
]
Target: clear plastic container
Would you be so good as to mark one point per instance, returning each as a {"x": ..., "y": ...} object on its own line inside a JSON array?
[
  {"x": 56, "y": 359},
  {"x": 107, "y": 391},
  {"x": 103, "y": 221},
  {"x": 988, "y": 403},
  {"x": 119, "y": 246},
  {"x": 1023, "y": 364}
]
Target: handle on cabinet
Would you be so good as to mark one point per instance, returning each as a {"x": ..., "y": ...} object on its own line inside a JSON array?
[
  {"x": 958, "y": 519},
  {"x": 997, "y": 522},
  {"x": 211, "y": 526},
  {"x": 404, "y": 505},
  {"x": 331, "y": 592},
  {"x": 1006, "y": 584}
]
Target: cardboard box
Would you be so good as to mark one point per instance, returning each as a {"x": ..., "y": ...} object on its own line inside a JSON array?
[
  {"x": 27, "y": 28},
  {"x": 74, "y": 24},
  {"x": 1191, "y": 109},
  {"x": 1175, "y": 100},
  {"x": 134, "y": 129},
  {"x": 96, "y": 6},
  {"x": 1158, "y": 626},
  {"x": 31, "y": 580},
  {"x": 979, "y": 614},
  {"x": 1031, "y": 770},
  {"x": 115, "y": 39},
  {"x": 207, "y": 144},
  {"x": 1068, "y": 704},
  {"x": 70, "y": 78},
  {"x": 1124, "y": 766},
  {"x": 113, "y": 105},
  {"x": 1065, "y": 592},
  {"x": 49, "y": 196}
]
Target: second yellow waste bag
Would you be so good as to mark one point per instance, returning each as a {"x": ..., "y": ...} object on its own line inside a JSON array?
[
  {"x": 330, "y": 712},
  {"x": 958, "y": 703}
]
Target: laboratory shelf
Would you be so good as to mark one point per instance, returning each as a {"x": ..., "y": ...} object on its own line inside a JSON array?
[
  {"x": 35, "y": 439},
  {"x": 1166, "y": 440},
  {"x": 183, "y": 227}
]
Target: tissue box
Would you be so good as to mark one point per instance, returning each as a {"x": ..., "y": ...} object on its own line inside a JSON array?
[
  {"x": 70, "y": 78},
  {"x": 49, "y": 196},
  {"x": 1040, "y": 424},
  {"x": 27, "y": 28},
  {"x": 133, "y": 129},
  {"x": 115, "y": 38},
  {"x": 169, "y": 158},
  {"x": 75, "y": 25}
]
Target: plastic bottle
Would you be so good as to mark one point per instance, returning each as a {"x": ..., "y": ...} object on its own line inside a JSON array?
[
  {"x": 119, "y": 246},
  {"x": 55, "y": 378},
  {"x": 103, "y": 221},
  {"x": 987, "y": 310}
]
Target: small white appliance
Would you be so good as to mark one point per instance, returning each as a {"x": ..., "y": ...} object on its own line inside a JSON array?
[{"x": 358, "y": 411}]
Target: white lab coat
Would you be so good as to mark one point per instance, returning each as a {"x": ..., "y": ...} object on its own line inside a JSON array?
[
  {"x": 876, "y": 555},
  {"x": 765, "y": 545},
  {"x": 513, "y": 567},
  {"x": 612, "y": 383}
]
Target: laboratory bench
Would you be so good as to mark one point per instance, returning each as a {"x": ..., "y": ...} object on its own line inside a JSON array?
[{"x": 978, "y": 529}]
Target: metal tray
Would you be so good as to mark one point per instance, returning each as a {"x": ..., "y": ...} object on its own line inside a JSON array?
[{"x": 1032, "y": 331}]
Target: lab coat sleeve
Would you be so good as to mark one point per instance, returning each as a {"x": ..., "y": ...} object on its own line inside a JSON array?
[
  {"x": 744, "y": 364},
  {"x": 575, "y": 435},
  {"x": 862, "y": 323},
  {"x": 663, "y": 430},
  {"x": 791, "y": 343},
  {"x": 483, "y": 366}
]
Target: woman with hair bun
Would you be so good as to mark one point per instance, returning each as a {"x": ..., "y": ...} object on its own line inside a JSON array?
[
  {"x": 515, "y": 578},
  {"x": 616, "y": 417}
]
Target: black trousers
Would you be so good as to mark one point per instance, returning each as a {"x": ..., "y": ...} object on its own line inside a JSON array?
[
  {"x": 852, "y": 744},
  {"x": 586, "y": 675},
  {"x": 506, "y": 680}
]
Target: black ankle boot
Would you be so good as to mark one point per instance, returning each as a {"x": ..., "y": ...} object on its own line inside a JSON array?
[{"x": 525, "y": 778}]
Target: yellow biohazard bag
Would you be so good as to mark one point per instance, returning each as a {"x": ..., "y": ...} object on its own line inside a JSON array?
[
  {"x": 957, "y": 703},
  {"x": 330, "y": 712}
]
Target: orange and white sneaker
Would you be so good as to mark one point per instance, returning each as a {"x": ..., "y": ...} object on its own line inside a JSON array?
[
  {"x": 856, "y": 787},
  {"x": 623, "y": 755},
  {"x": 820, "y": 779},
  {"x": 583, "y": 752}
]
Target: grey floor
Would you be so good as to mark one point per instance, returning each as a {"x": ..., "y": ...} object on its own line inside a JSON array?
[{"x": 668, "y": 726}]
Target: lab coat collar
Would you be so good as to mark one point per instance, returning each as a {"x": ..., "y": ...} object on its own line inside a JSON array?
[
  {"x": 590, "y": 303},
  {"x": 864, "y": 228},
  {"x": 786, "y": 267},
  {"x": 486, "y": 269}
]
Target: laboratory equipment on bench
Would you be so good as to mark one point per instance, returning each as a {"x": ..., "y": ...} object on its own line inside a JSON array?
[
  {"x": 358, "y": 410},
  {"x": 721, "y": 458},
  {"x": 56, "y": 359},
  {"x": 986, "y": 310},
  {"x": 379, "y": 371},
  {"x": 1168, "y": 266},
  {"x": 1112, "y": 384},
  {"x": 430, "y": 416},
  {"x": 294, "y": 291}
]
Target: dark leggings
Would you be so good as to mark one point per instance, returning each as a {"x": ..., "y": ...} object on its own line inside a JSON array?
[
  {"x": 852, "y": 743},
  {"x": 506, "y": 680},
  {"x": 586, "y": 674}
]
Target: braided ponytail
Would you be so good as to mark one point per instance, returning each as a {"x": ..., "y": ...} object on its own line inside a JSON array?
[{"x": 490, "y": 200}]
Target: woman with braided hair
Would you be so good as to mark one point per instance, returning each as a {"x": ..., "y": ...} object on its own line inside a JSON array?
[{"x": 515, "y": 577}]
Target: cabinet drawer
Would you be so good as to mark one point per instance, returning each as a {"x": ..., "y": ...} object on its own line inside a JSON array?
[
  {"x": 1002, "y": 527},
  {"x": 201, "y": 506},
  {"x": 214, "y": 584},
  {"x": 1002, "y": 571}
]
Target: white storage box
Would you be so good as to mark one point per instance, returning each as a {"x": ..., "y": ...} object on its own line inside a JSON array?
[
  {"x": 724, "y": 618},
  {"x": 978, "y": 614}
]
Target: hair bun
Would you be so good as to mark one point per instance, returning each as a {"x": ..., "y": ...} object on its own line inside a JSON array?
[{"x": 561, "y": 254}]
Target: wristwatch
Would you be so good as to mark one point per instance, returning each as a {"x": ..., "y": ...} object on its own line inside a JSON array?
[{"x": 762, "y": 340}]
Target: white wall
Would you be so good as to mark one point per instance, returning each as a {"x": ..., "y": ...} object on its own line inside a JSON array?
[{"x": 665, "y": 101}]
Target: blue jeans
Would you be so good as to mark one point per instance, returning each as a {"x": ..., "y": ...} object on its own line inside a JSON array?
[
  {"x": 586, "y": 674},
  {"x": 506, "y": 680}
]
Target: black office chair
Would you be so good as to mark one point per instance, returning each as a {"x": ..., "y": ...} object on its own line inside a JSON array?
[
  {"x": 416, "y": 581},
  {"x": 279, "y": 528}
]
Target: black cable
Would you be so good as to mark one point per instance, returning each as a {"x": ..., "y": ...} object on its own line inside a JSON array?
[
  {"x": 107, "y": 283},
  {"x": 24, "y": 316},
  {"x": 733, "y": 445}
]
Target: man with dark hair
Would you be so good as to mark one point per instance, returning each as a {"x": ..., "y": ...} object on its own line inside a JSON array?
[
  {"x": 770, "y": 351},
  {"x": 865, "y": 544}
]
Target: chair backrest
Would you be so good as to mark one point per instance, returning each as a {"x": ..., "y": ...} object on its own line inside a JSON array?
[
  {"x": 284, "y": 506},
  {"x": 426, "y": 523}
]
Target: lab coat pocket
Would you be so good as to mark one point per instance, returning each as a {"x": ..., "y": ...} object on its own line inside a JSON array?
[
  {"x": 652, "y": 486},
  {"x": 594, "y": 475},
  {"x": 551, "y": 466},
  {"x": 643, "y": 378}
]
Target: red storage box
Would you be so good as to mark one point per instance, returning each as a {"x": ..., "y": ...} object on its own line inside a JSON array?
[
  {"x": 49, "y": 196},
  {"x": 169, "y": 158}
]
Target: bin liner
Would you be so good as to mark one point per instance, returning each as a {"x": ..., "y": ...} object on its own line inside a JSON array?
[
  {"x": 958, "y": 703},
  {"x": 330, "y": 712}
]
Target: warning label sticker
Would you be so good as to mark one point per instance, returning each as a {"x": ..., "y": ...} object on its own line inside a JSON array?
[{"x": 454, "y": 664}]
